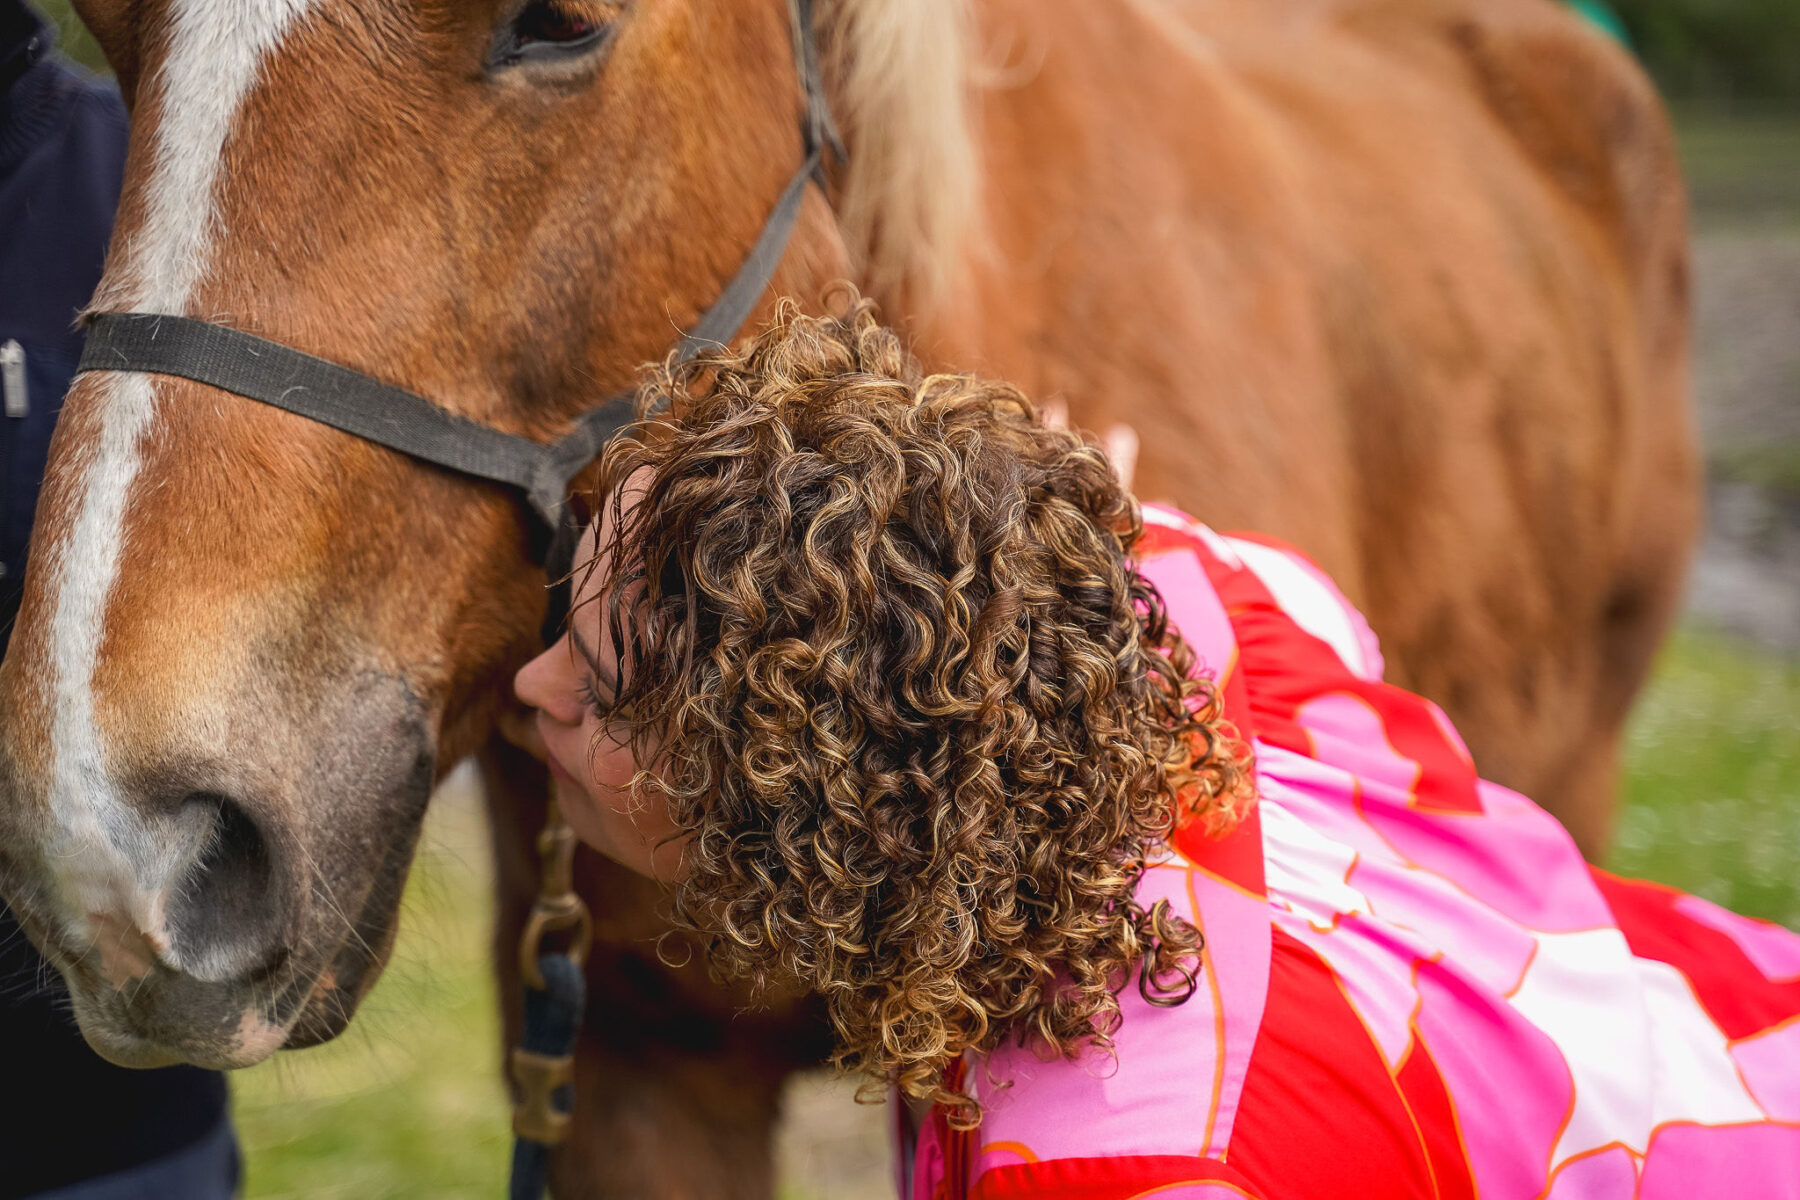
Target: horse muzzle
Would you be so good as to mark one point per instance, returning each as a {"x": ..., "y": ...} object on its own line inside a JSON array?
[{"x": 214, "y": 910}]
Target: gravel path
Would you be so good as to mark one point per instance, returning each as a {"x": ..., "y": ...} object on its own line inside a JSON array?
[{"x": 1746, "y": 578}]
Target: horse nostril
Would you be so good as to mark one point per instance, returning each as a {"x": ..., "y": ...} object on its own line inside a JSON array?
[{"x": 226, "y": 917}]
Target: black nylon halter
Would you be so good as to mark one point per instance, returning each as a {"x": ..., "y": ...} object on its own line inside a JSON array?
[{"x": 358, "y": 404}]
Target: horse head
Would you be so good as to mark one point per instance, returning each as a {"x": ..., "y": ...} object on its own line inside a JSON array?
[{"x": 250, "y": 644}]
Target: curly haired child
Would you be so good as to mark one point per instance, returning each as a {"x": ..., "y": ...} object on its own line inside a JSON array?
[{"x": 1099, "y": 834}]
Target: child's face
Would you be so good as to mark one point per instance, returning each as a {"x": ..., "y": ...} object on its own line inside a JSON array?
[{"x": 591, "y": 763}]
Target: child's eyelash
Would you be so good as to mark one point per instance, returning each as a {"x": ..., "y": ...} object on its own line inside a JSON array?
[
  {"x": 603, "y": 711},
  {"x": 591, "y": 698}
]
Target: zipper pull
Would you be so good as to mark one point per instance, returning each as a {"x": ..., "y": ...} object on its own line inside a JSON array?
[{"x": 12, "y": 377}]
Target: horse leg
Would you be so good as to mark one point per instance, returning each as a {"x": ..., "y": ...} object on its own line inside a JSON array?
[
  {"x": 677, "y": 1086},
  {"x": 1629, "y": 631}
]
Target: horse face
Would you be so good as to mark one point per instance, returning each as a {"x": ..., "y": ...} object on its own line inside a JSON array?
[{"x": 250, "y": 643}]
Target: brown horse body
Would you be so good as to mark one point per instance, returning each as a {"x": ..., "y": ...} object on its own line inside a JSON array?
[
  {"x": 1401, "y": 282},
  {"x": 1404, "y": 283}
]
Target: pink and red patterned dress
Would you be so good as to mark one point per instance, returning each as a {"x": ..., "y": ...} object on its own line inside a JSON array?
[{"x": 1413, "y": 985}]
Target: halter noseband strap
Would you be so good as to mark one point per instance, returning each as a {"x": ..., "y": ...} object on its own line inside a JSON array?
[{"x": 348, "y": 400}]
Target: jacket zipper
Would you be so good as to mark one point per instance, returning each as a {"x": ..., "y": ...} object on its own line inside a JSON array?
[{"x": 12, "y": 378}]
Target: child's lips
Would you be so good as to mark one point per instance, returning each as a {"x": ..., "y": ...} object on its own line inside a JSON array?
[
  {"x": 560, "y": 772},
  {"x": 519, "y": 725}
]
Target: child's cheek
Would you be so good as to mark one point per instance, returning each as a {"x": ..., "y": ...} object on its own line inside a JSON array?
[
  {"x": 586, "y": 818},
  {"x": 612, "y": 767},
  {"x": 604, "y": 769}
]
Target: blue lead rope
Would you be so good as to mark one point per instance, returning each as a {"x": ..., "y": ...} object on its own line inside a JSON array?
[{"x": 543, "y": 1067}]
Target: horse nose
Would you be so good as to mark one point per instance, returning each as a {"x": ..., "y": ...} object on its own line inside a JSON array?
[{"x": 226, "y": 915}]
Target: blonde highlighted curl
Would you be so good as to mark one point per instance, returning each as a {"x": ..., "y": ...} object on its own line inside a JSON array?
[{"x": 915, "y": 713}]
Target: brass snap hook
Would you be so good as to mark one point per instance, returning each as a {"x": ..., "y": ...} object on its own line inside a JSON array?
[{"x": 557, "y": 909}]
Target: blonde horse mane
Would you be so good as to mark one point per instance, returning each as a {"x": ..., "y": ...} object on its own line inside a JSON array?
[{"x": 900, "y": 75}]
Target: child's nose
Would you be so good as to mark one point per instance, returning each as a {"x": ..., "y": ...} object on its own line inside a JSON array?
[{"x": 548, "y": 682}]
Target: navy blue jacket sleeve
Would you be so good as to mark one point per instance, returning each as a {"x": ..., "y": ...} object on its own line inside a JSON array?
[{"x": 62, "y": 152}]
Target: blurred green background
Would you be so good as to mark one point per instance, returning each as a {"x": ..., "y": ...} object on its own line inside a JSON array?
[
  {"x": 408, "y": 1102},
  {"x": 1743, "y": 53}
]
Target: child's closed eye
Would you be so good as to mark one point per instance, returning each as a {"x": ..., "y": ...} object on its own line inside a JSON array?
[{"x": 602, "y": 709}]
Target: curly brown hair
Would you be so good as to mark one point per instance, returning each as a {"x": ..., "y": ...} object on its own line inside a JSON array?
[{"x": 917, "y": 716}]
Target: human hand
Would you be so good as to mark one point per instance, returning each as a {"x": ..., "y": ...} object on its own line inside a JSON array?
[{"x": 1118, "y": 441}]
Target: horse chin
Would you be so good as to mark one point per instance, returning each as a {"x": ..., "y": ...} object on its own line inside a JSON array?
[
  {"x": 336, "y": 993},
  {"x": 325, "y": 1016},
  {"x": 117, "y": 1030},
  {"x": 217, "y": 1027},
  {"x": 235, "y": 1036},
  {"x": 138, "y": 1056}
]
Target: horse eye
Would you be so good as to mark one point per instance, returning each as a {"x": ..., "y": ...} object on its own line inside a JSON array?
[
  {"x": 556, "y": 23},
  {"x": 546, "y": 28}
]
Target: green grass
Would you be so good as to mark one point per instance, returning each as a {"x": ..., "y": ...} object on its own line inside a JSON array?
[{"x": 1713, "y": 778}]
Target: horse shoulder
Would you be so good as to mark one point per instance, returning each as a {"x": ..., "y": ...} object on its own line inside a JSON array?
[{"x": 1582, "y": 114}]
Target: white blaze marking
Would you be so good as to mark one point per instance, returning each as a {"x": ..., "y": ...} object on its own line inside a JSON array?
[{"x": 214, "y": 52}]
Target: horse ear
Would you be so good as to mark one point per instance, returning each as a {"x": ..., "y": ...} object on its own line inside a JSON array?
[{"x": 115, "y": 26}]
